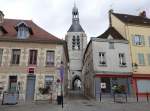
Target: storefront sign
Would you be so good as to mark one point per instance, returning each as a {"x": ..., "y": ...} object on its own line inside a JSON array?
[{"x": 103, "y": 85}]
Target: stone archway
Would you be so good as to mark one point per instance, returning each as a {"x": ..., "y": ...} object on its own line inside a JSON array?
[{"x": 76, "y": 82}]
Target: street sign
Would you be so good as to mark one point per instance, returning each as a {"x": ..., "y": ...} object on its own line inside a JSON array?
[{"x": 103, "y": 85}]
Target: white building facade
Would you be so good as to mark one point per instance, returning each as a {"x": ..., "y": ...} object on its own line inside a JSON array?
[
  {"x": 76, "y": 41},
  {"x": 106, "y": 63}
]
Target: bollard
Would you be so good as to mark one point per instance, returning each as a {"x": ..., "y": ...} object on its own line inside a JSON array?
[
  {"x": 3, "y": 99},
  {"x": 147, "y": 97},
  {"x": 100, "y": 97},
  {"x": 114, "y": 98},
  {"x": 137, "y": 98},
  {"x": 126, "y": 97}
]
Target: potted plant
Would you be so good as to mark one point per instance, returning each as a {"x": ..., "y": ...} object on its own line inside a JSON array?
[
  {"x": 44, "y": 90},
  {"x": 118, "y": 89}
]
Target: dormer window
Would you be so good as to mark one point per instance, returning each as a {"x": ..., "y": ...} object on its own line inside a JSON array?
[
  {"x": 1, "y": 17},
  {"x": 2, "y": 30},
  {"x": 23, "y": 31}
]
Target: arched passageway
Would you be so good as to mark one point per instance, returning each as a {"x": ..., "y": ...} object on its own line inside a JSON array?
[{"x": 76, "y": 83}]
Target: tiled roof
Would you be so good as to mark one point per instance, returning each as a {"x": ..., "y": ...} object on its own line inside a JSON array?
[
  {"x": 132, "y": 19},
  {"x": 38, "y": 34},
  {"x": 113, "y": 32}
]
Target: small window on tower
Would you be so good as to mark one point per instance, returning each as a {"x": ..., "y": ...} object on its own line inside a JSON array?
[{"x": 73, "y": 42}]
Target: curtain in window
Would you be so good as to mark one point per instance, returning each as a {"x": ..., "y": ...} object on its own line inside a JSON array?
[
  {"x": 33, "y": 57},
  {"x": 50, "y": 58},
  {"x": 15, "y": 56}
]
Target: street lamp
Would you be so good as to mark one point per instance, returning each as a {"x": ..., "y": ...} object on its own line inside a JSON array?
[{"x": 61, "y": 69}]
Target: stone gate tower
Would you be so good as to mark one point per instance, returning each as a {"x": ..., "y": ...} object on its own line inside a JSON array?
[{"x": 77, "y": 41}]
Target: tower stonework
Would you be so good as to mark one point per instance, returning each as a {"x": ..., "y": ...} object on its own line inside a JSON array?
[{"x": 77, "y": 41}]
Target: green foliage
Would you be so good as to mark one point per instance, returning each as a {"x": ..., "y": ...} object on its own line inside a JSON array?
[
  {"x": 44, "y": 90},
  {"x": 119, "y": 89}
]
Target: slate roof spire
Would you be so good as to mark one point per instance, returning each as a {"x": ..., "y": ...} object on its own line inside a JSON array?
[{"x": 75, "y": 27}]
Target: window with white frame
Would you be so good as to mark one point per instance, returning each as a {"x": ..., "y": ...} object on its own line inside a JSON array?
[
  {"x": 49, "y": 81},
  {"x": 111, "y": 45},
  {"x": 141, "y": 59},
  {"x": 122, "y": 60},
  {"x": 102, "y": 58},
  {"x": 15, "y": 56},
  {"x": 50, "y": 58},
  {"x": 138, "y": 40},
  {"x": 1, "y": 55}
]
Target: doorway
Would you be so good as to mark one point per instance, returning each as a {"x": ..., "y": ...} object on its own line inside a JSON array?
[
  {"x": 30, "y": 88},
  {"x": 108, "y": 85},
  {"x": 76, "y": 83},
  {"x": 12, "y": 84}
]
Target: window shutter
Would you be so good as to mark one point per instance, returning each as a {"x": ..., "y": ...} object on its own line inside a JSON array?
[
  {"x": 143, "y": 41},
  {"x": 149, "y": 40},
  {"x": 133, "y": 40},
  {"x": 148, "y": 58},
  {"x": 141, "y": 59},
  {"x": 1, "y": 54}
]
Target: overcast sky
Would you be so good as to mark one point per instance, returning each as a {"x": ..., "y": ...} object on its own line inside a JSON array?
[{"x": 55, "y": 16}]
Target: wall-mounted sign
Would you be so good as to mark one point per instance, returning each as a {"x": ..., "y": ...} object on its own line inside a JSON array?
[
  {"x": 31, "y": 70},
  {"x": 103, "y": 85}
]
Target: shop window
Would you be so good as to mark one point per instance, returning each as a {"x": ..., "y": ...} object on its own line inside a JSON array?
[{"x": 49, "y": 81}]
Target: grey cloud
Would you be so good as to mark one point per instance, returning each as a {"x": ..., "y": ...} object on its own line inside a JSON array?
[{"x": 55, "y": 16}]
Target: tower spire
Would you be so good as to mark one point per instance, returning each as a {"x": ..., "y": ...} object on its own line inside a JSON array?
[{"x": 75, "y": 14}]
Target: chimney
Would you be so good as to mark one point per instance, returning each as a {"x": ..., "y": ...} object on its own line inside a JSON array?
[
  {"x": 110, "y": 21},
  {"x": 143, "y": 14},
  {"x": 1, "y": 17}
]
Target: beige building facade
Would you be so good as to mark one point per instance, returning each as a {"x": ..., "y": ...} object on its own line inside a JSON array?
[
  {"x": 30, "y": 61},
  {"x": 136, "y": 29}
]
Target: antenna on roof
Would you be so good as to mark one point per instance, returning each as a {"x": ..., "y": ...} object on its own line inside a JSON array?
[
  {"x": 74, "y": 3},
  {"x": 110, "y": 12}
]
